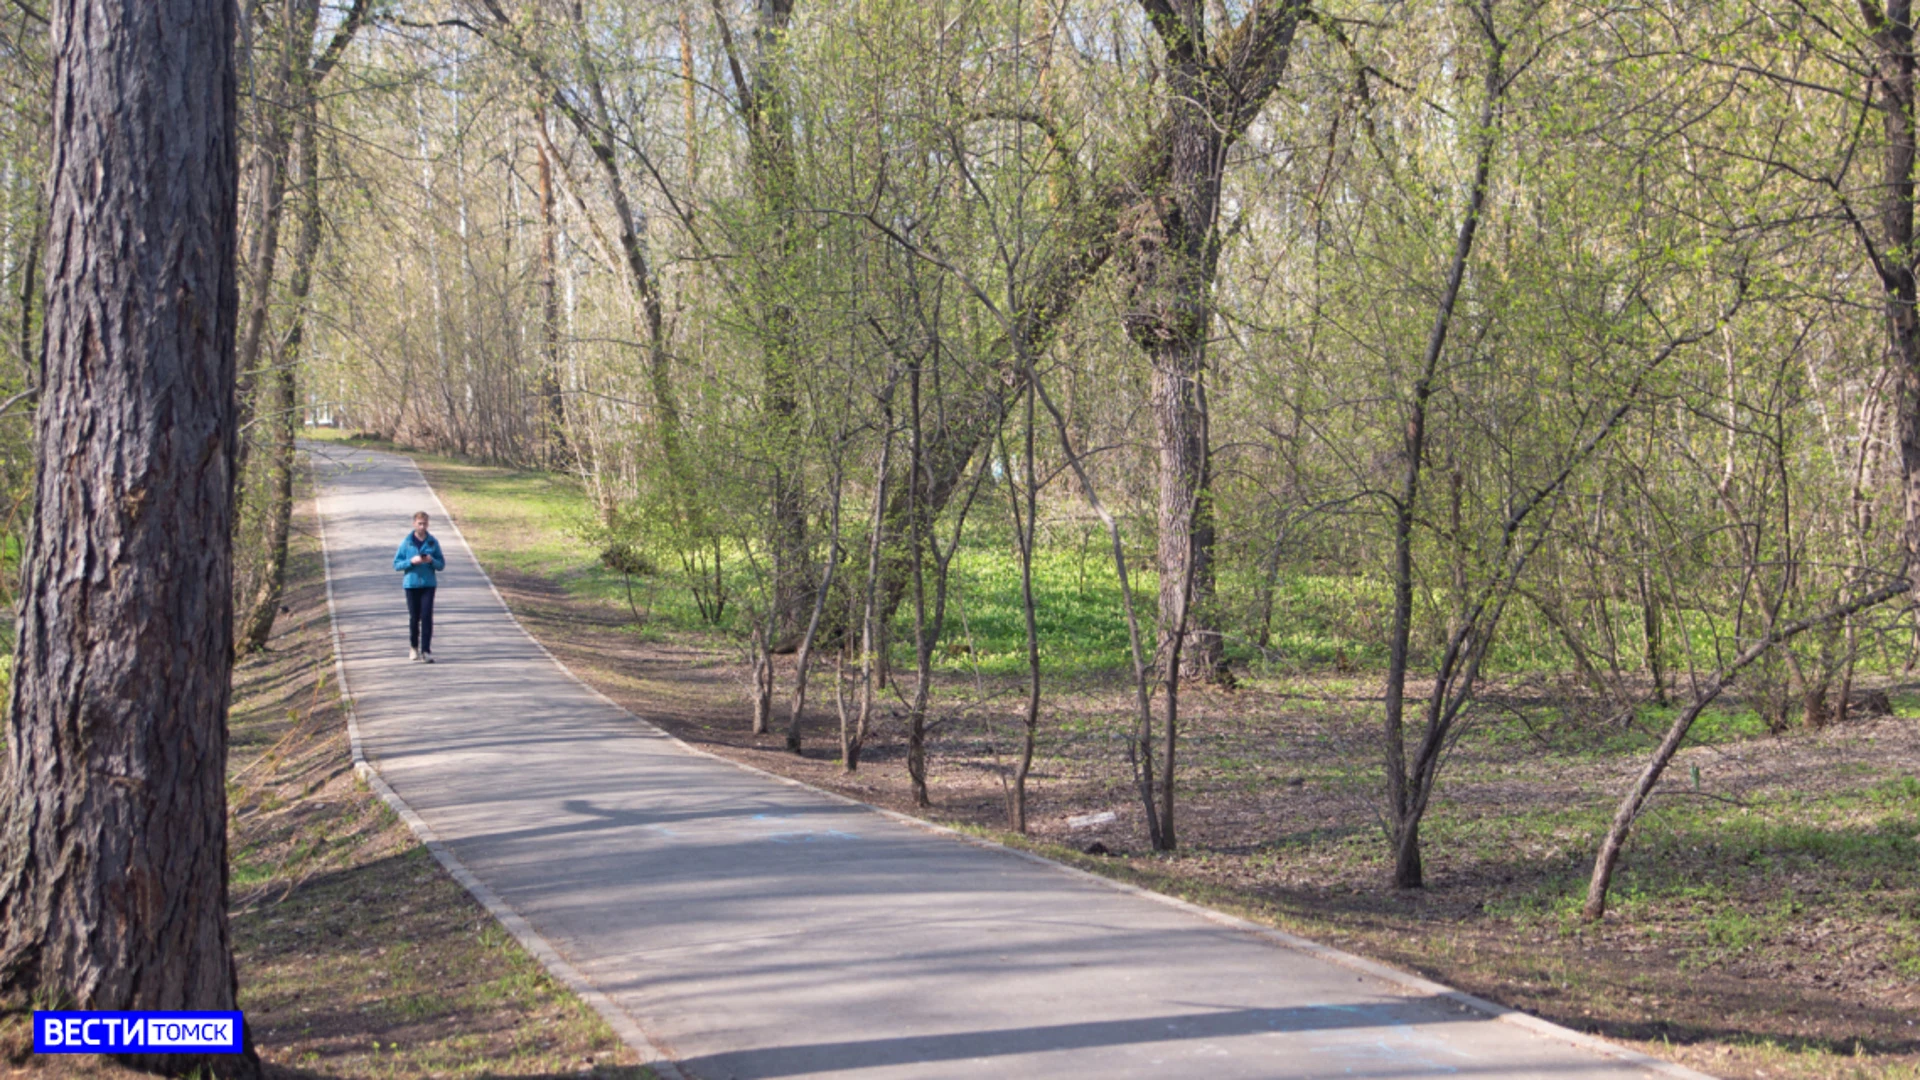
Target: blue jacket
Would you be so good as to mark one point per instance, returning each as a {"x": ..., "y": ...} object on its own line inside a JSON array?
[{"x": 419, "y": 577}]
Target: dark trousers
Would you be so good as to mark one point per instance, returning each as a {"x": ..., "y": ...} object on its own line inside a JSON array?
[{"x": 420, "y": 618}]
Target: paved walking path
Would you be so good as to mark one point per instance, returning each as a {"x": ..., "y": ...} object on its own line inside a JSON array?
[{"x": 755, "y": 928}]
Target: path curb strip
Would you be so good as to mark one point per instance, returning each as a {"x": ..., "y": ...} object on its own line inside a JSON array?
[
  {"x": 657, "y": 1058},
  {"x": 651, "y": 1054}
]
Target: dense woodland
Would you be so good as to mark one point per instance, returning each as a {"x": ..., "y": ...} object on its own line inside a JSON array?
[{"x": 1444, "y": 343}]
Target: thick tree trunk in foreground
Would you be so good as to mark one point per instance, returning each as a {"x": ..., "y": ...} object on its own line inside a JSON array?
[
  {"x": 1185, "y": 515},
  {"x": 113, "y": 893}
]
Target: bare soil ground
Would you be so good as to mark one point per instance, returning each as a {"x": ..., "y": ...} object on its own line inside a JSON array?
[
  {"x": 357, "y": 955},
  {"x": 1766, "y": 923}
]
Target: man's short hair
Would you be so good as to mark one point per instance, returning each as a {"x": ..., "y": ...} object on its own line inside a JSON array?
[{"x": 421, "y": 515}]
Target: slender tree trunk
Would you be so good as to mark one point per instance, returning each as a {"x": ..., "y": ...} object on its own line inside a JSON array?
[
  {"x": 1140, "y": 747},
  {"x": 1843, "y": 706},
  {"x": 30, "y": 363},
  {"x": 1615, "y": 842},
  {"x": 554, "y": 436},
  {"x": 1650, "y": 622},
  {"x": 1269, "y": 582},
  {"x": 113, "y": 881},
  {"x": 870, "y": 640},
  {"x": 1403, "y": 803},
  {"x": 1172, "y": 675},
  {"x": 762, "y": 675},
  {"x": 803, "y": 657},
  {"x": 272, "y": 85},
  {"x": 1024, "y": 534},
  {"x": 281, "y": 418},
  {"x": 925, "y": 633},
  {"x": 689, "y": 97}
]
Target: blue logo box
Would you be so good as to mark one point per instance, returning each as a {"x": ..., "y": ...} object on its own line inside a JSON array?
[{"x": 85, "y": 1031}]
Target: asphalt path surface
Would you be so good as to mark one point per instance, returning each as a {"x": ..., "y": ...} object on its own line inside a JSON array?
[{"x": 751, "y": 927}]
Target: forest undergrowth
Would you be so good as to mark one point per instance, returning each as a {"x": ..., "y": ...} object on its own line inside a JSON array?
[{"x": 1766, "y": 919}]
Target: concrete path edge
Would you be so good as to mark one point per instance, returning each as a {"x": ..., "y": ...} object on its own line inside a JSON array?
[
  {"x": 634, "y": 1035},
  {"x": 624, "y": 1026}
]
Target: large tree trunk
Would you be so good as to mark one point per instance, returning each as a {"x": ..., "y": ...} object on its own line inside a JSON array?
[
  {"x": 1170, "y": 250},
  {"x": 1895, "y": 83},
  {"x": 113, "y": 892}
]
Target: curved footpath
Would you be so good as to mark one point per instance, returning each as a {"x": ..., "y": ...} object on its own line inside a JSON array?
[{"x": 731, "y": 924}]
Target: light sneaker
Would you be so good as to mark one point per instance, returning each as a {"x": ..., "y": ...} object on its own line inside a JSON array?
[
  {"x": 427, "y": 656},
  {"x": 413, "y": 654}
]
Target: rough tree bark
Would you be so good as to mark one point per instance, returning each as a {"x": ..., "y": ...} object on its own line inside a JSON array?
[
  {"x": 1169, "y": 251},
  {"x": 113, "y": 889},
  {"x": 1893, "y": 252}
]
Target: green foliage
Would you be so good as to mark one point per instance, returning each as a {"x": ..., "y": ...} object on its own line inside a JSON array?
[
  {"x": 550, "y": 529},
  {"x": 1082, "y": 625}
]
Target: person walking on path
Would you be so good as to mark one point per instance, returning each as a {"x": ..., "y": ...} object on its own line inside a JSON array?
[{"x": 419, "y": 556}]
